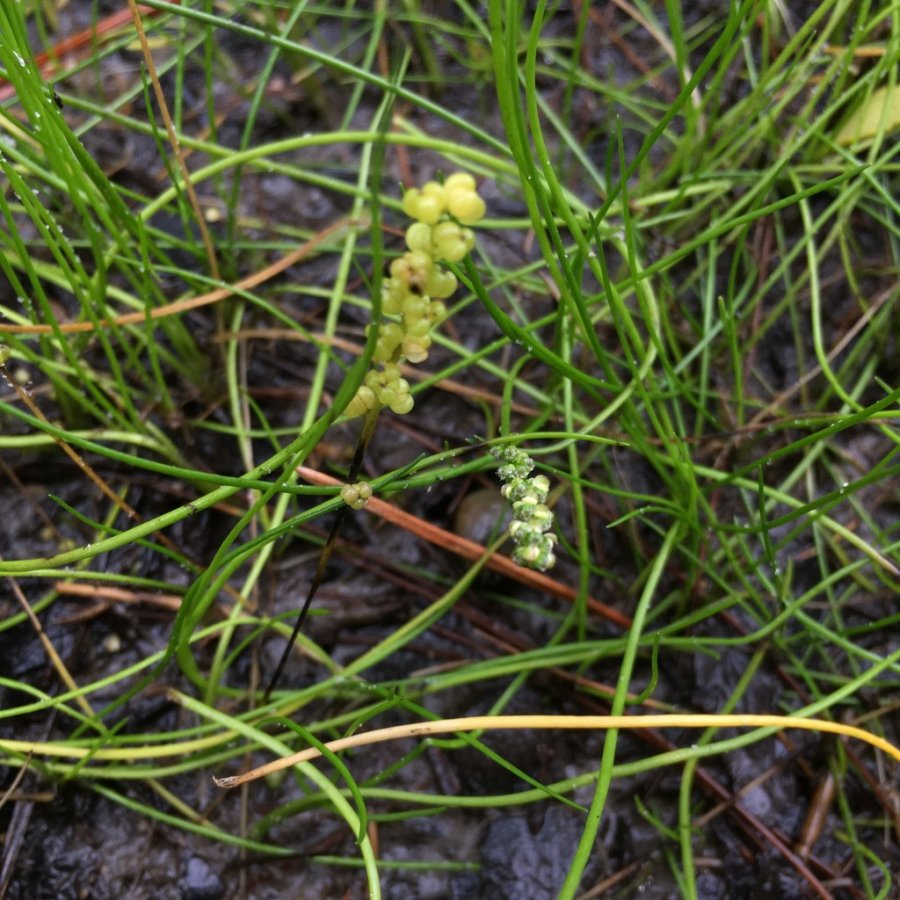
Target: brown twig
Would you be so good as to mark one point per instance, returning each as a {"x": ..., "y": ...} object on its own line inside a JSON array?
[
  {"x": 180, "y": 306},
  {"x": 49, "y": 63},
  {"x": 171, "y": 602},
  {"x": 472, "y": 551}
]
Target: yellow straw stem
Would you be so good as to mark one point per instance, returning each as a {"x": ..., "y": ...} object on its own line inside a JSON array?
[{"x": 485, "y": 723}]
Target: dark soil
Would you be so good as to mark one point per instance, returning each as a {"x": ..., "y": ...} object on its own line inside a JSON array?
[{"x": 66, "y": 840}]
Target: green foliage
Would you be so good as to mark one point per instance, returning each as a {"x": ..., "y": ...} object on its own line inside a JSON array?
[{"x": 683, "y": 302}]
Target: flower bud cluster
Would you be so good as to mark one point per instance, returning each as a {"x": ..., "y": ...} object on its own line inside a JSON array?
[
  {"x": 412, "y": 296},
  {"x": 532, "y": 519},
  {"x": 456, "y": 196},
  {"x": 356, "y": 495}
]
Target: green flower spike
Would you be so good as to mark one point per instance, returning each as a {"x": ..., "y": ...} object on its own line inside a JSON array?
[{"x": 532, "y": 518}]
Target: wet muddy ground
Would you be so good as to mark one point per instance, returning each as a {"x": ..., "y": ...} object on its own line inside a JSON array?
[{"x": 70, "y": 840}]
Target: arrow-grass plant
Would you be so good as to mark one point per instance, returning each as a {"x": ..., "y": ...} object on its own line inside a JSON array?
[{"x": 685, "y": 303}]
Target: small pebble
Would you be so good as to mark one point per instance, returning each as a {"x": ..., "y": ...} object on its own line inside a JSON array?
[{"x": 482, "y": 514}]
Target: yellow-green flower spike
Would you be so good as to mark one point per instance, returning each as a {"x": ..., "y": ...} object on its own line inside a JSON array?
[
  {"x": 356, "y": 495},
  {"x": 459, "y": 181},
  {"x": 417, "y": 285},
  {"x": 440, "y": 284},
  {"x": 466, "y": 206},
  {"x": 451, "y": 241},
  {"x": 363, "y": 400},
  {"x": 418, "y": 237},
  {"x": 415, "y": 349},
  {"x": 425, "y": 205}
]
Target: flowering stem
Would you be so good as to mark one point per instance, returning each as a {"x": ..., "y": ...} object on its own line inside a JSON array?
[{"x": 365, "y": 436}]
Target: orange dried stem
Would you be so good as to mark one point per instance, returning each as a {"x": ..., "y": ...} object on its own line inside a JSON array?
[{"x": 470, "y": 550}]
